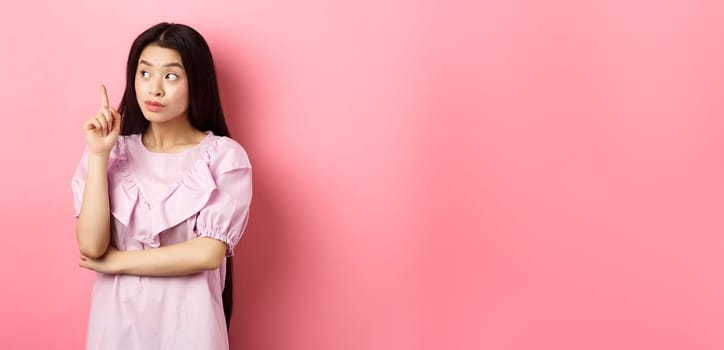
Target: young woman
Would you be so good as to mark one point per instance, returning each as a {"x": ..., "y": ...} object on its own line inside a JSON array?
[{"x": 162, "y": 197}]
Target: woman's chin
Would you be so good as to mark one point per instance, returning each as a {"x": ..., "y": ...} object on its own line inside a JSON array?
[{"x": 158, "y": 118}]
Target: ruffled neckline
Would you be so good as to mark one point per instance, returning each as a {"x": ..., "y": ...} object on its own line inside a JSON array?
[{"x": 182, "y": 199}]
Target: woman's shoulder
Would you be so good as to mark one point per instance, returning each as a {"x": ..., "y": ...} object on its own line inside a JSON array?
[
  {"x": 227, "y": 154},
  {"x": 121, "y": 145}
]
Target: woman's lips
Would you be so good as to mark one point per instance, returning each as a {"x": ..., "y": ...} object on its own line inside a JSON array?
[{"x": 153, "y": 106}]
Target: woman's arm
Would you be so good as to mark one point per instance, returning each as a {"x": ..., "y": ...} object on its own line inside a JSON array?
[
  {"x": 94, "y": 222},
  {"x": 93, "y": 229},
  {"x": 192, "y": 256}
]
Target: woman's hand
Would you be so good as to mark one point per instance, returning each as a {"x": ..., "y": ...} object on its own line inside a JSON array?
[
  {"x": 101, "y": 131},
  {"x": 110, "y": 263}
]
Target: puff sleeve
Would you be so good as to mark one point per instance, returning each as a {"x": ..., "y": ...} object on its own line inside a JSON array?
[
  {"x": 81, "y": 171},
  {"x": 225, "y": 215},
  {"x": 78, "y": 182}
]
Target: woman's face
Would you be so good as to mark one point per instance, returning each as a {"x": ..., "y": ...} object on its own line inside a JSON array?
[{"x": 162, "y": 88}]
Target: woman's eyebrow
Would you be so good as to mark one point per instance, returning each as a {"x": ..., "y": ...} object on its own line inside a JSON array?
[{"x": 172, "y": 64}]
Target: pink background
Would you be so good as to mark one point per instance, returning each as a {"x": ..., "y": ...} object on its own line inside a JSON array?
[{"x": 428, "y": 174}]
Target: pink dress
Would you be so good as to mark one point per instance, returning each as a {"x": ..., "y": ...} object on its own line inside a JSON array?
[{"x": 158, "y": 199}]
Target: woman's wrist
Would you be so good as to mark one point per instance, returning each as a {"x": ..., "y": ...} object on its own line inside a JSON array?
[{"x": 100, "y": 156}]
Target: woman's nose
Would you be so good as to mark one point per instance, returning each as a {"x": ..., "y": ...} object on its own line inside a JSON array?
[{"x": 155, "y": 89}]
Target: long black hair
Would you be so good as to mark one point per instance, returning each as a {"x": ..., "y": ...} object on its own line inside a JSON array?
[{"x": 204, "y": 110}]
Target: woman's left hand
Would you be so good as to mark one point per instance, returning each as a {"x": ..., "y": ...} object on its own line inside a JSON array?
[{"x": 109, "y": 263}]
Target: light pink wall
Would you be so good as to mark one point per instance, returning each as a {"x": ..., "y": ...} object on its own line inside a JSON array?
[{"x": 428, "y": 175}]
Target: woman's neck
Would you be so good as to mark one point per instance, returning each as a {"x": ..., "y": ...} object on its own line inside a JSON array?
[{"x": 171, "y": 136}]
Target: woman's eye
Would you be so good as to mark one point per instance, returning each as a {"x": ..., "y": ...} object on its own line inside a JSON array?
[
  {"x": 145, "y": 74},
  {"x": 171, "y": 76}
]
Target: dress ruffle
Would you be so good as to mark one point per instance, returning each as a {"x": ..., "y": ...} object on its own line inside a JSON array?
[{"x": 145, "y": 219}]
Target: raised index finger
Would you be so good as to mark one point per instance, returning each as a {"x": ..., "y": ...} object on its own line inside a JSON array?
[{"x": 104, "y": 96}]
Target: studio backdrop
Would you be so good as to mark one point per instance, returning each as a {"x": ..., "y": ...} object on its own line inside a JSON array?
[{"x": 427, "y": 174}]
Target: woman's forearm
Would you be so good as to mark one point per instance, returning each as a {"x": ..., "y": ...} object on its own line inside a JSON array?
[
  {"x": 93, "y": 225},
  {"x": 192, "y": 256}
]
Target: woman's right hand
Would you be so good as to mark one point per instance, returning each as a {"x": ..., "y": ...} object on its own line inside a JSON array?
[{"x": 101, "y": 131}]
